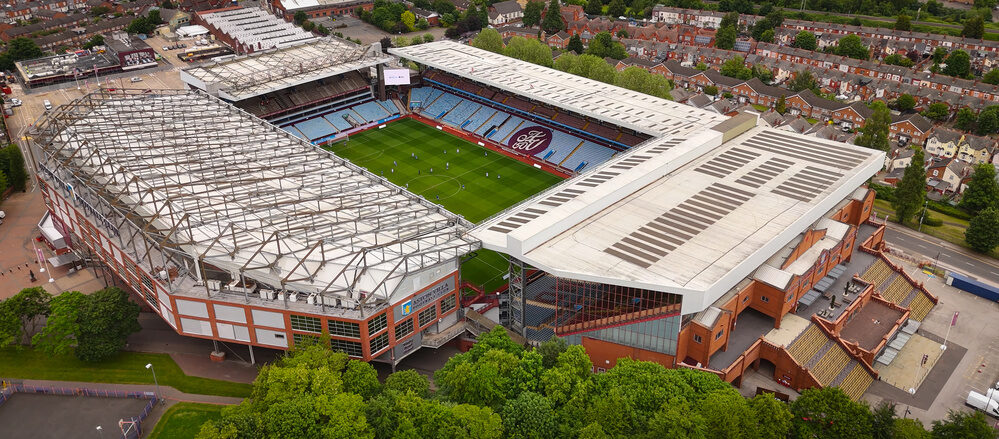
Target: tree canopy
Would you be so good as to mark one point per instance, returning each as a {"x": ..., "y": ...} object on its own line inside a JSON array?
[
  {"x": 602, "y": 45},
  {"x": 874, "y": 134},
  {"x": 805, "y": 40},
  {"x": 489, "y": 39},
  {"x": 19, "y": 315},
  {"x": 532, "y": 13},
  {"x": 94, "y": 327},
  {"x": 552, "y": 22},
  {"x": 911, "y": 191},
  {"x": 958, "y": 64},
  {"x": 852, "y": 46},
  {"x": 982, "y": 191},
  {"x": 983, "y": 231}
]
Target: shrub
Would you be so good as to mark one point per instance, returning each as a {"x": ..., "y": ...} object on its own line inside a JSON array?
[{"x": 947, "y": 209}]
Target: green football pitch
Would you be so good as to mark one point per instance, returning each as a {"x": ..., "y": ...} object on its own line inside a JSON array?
[{"x": 461, "y": 176}]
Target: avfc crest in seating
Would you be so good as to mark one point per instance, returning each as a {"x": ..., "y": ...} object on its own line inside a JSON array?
[{"x": 530, "y": 140}]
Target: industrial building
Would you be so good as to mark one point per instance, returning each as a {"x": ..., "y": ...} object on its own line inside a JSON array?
[{"x": 248, "y": 30}]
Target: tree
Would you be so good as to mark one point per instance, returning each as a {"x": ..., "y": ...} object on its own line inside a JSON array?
[
  {"x": 805, "y": 40},
  {"x": 711, "y": 90},
  {"x": 982, "y": 236},
  {"x": 362, "y": 379},
  {"x": 489, "y": 39},
  {"x": 974, "y": 27},
  {"x": 98, "y": 11},
  {"x": 167, "y": 4},
  {"x": 153, "y": 17},
  {"x": 909, "y": 429},
  {"x": 401, "y": 41},
  {"x": 982, "y": 191},
  {"x": 767, "y": 36},
  {"x": 883, "y": 420},
  {"x": 12, "y": 166},
  {"x": 992, "y": 77},
  {"x": 730, "y": 19},
  {"x": 781, "y": 105},
  {"x": 966, "y": 119},
  {"x": 422, "y": 24},
  {"x": 988, "y": 121},
  {"x": 965, "y": 425},
  {"x": 532, "y": 13},
  {"x": 939, "y": 54},
  {"x": 828, "y": 413},
  {"x": 552, "y": 23},
  {"x": 410, "y": 380},
  {"x": 308, "y": 26},
  {"x": 622, "y": 33},
  {"x": 937, "y": 111},
  {"x": 911, "y": 191},
  {"x": 852, "y": 46},
  {"x": 96, "y": 40},
  {"x": 529, "y": 416},
  {"x": 427, "y": 38},
  {"x": 594, "y": 7},
  {"x": 19, "y": 315},
  {"x": 603, "y": 46},
  {"x": 736, "y": 68},
  {"x": 763, "y": 73},
  {"x": 903, "y": 23},
  {"x": 94, "y": 327},
  {"x": 616, "y": 8},
  {"x": 550, "y": 350},
  {"x": 300, "y": 17},
  {"x": 958, "y": 64},
  {"x": 905, "y": 102},
  {"x": 725, "y": 38},
  {"x": 898, "y": 60},
  {"x": 575, "y": 44},
  {"x": 529, "y": 50},
  {"x": 773, "y": 417},
  {"x": 408, "y": 19},
  {"x": 803, "y": 80},
  {"x": 874, "y": 134}
]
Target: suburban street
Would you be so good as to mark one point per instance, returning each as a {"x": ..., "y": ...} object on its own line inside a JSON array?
[{"x": 950, "y": 255}]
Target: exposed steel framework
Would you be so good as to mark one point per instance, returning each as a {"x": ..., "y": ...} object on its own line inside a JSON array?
[{"x": 197, "y": 189}]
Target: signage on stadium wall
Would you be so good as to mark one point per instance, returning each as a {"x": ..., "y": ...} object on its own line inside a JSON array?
[
  {"x": 427, "y": 297},
  {"x": 530, "y": 140},
  {"x": 396, "y": 76}
]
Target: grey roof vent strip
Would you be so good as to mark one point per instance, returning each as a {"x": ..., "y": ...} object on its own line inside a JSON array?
[
  {"x": 807, "y": 183},
  {"x": 764, "y": 172},
  {"x": 657, "y": 238},
  {"x": 727, "y": 162},
  {"x": 805, "y": 149}
]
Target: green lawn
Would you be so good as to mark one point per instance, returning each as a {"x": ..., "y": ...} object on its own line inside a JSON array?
[
  {"x": 952, "y": 229},
  {"x": 458, "y": 181},
  {"x": 125, "y": 368},
  {"x": 185, "y": 419}
]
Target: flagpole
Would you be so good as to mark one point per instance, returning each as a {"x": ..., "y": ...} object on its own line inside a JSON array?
[{"x": 953, "y": 322}]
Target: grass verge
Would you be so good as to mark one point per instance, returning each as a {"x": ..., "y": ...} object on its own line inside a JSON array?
[
  {"x": 952, "y": 229},
  {"x": 125, "y": 368},
  {"x": 185, "y": 419}
]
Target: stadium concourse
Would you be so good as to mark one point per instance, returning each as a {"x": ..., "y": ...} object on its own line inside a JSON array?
[{"x": 680, "y": 226}]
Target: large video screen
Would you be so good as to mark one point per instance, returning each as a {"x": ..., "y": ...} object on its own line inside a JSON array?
[{"x": 396, "y": 76}]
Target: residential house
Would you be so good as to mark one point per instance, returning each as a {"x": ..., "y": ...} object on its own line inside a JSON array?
[
  {"x": 852, "y": 116},
  {"x": 505, "y": 12},
  {"x": 910, "y": 128},
  {"x": 976, "y": 149},
  {"x": 943, "y": 142},
  {"x": 946, "y": 175}
]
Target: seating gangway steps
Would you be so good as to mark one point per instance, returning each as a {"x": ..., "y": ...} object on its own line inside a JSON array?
[
  {"x": 571, "y": 153},
  {"x": 855, "y": 380},
  {"x": 831, "y": 364},
  {"x": 807, "y": 344}
]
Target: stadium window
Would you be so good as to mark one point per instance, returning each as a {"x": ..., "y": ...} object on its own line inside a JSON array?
[
  {"x": 306, "y": 323},
  {"x": 789, "y": 297},
  {"x": 428, "y": 315},
  {"x": 745, "y": 299},
  {"x": 377, "y": 324},
  {"x": 448, "y": 303},
  {"x": 302, "y": 340},
  {"x": 351, "y": 348},
  {"x": 698, "y": 339},
  {"x": 403, "y": 329},
  {"x": 764, "y": 299},
  {"x": 719, "y": 334},
  {"x": 378, "y": 343},
  {"x": 344, "y": 329}
]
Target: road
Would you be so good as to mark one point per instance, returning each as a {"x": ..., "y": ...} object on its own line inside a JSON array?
[{"x": 950, "y": 255}]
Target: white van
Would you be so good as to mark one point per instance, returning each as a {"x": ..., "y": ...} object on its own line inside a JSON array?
[{"x": 47, "y": 104}]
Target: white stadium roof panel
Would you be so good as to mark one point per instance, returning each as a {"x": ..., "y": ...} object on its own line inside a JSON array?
[
  {"x": 224, "y": 187},
  {"x": 620, "y": 106},
  {"x": 235, "y": 78},
  {"x": 694, "y": 218}
]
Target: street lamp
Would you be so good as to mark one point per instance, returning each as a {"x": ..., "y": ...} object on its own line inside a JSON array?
[
  {"x": 151, "y": 368},
  {"x": 921, "y": 217},
  {"x": 100, "y": 431}
]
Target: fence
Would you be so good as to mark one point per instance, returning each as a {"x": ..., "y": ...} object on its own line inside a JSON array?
[{"x": 9, "y": 388}]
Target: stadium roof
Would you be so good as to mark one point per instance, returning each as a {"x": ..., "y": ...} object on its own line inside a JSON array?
[
  {"x": 255, "y": 28},
  {"x": 691, "y": 216},
  {"x": 235, "y": 78},
  {"x": 205, "y": 180},
  {"x": 602, "y": 101}
]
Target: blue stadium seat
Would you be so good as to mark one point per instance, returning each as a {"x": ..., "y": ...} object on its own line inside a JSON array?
[
  {"x": 589, "y": 152},
  {"x": 497, "y": 121},
  {"x": 316, "y": 128},
  {"x": 462, "y": 111},
  {"x": 477, "y": 119},
  {"x": 442, "y": 105},
  {"x": 337, "y": 120},
  {"x": 371, "y": 111},
  {"x": 507, "y": 129}
]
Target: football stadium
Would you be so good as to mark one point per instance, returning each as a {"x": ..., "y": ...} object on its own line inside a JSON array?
[{"x": 318, "y": 191}]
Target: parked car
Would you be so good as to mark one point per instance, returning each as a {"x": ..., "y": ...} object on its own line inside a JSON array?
[
  {"x": 47, "y": 104},
  {"x": 136, "y": 79}
]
